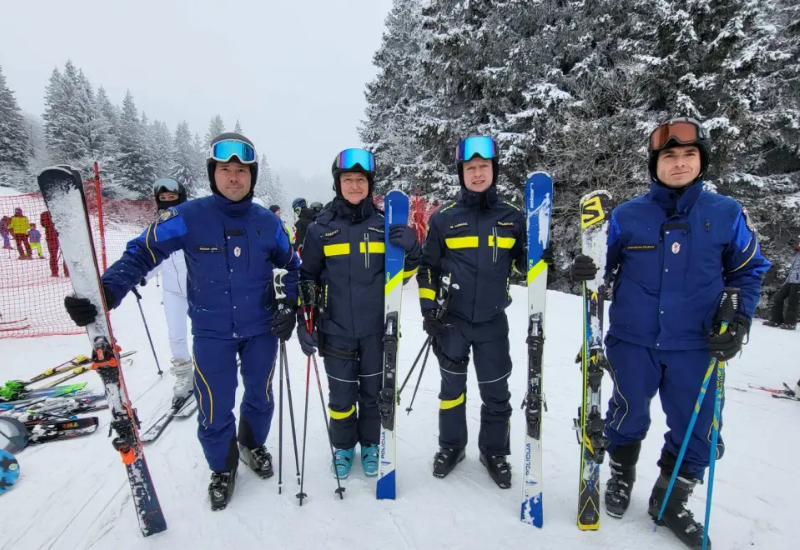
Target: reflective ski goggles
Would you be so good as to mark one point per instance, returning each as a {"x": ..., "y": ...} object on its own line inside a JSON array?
[
  {"x": 350, "y": 158},
  {"x": 166, "y": 184},
  {"x": 682, "y": 131},
  {"x": 483, "y": 146},
  {"x": 224, "y": 151}
]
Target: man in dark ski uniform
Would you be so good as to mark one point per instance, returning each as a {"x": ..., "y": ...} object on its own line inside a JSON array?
[
  {"x": 789, "y": 296},
  {"x": 304, "y": 218},
  {"x": 230, "y": 249},
  {"x": 343, "y": 258},
  {"x": 670, "y": 254},
  {"x": 476, "y": 241}
]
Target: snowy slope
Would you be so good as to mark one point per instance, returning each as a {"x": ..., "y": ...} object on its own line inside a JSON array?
[{"x": 74, "y": 494}]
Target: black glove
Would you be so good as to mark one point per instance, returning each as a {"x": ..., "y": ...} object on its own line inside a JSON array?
[
  {"x": 431, "y": 323},
  {"x": 82, "y": 311},
  {"x": 725, "y": 346},
  {"x": 142, "y": 282},
  {"x": 282, "y": 323},
  {"x": 548, "y": 255},
  {"x": 403, "y": 236},
  {"x": 583, "y": 268},
  {"x": 308, "y": 341}
]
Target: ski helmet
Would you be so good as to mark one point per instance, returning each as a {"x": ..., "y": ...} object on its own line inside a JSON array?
[
  {"x": 299, "y": 203},
  {"x": 164, "y": 185},
  {"x": 477, "y": 146},
  {"x": 259, "y": 202},
  {"x": 353, "y": 160},
  {"x": 675, "y": 133},
  {"x": 224, "y": 148},
  {"x": 316, "y": 207}
]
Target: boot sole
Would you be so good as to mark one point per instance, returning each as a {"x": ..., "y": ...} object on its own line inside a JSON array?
[{"x": 461, "y": 458}]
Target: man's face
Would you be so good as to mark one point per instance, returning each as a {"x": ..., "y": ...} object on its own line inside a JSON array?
[
  {"x": 679, "y": 166},
  {"x": 355, "y": 186},
  {"x": 233, "y": 180},
  {"x": 168, "y": 196},
  {"x": 478, "y": 174}
]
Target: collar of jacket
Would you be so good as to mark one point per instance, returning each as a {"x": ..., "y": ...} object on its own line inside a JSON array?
[
  {"x": 482, "y": 201},
  {"x": 233, "y": 209},
  {"x": 675, "y": 201},
  {"x": 353, "y": 212}
]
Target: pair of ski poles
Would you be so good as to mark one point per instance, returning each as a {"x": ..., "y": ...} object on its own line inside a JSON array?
[
  {"x": 307, "y": 303},
  {"x": 729, "y": 305}
]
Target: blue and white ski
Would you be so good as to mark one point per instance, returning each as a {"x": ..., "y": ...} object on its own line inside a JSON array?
[
  {"x": 538, "y": 207},
  {"x": 396, "y": 205}
]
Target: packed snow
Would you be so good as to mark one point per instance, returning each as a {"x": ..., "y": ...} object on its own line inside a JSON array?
[{"x": 74, "y": 494}]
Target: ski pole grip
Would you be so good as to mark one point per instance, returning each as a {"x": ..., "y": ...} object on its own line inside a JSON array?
[
  {"x": 279, "y": 287},
  {"x": 728, "y": 307},
  {"x": 135, "y": 293}
]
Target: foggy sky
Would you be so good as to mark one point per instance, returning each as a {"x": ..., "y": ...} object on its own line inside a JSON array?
[{"x": 293, "y": 72}]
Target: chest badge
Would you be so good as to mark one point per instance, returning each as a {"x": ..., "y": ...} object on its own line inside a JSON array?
[
  {"x": 676, "y": 247},
  {"x": 238, "y": 251}
]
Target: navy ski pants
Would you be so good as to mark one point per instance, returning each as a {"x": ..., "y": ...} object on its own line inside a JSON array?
[
  {"x": 215, "y": 382},
  {"x": 490, "y": 347},
  {"x": 639, "y": 372},
  {"x": 355, "y": 375}
]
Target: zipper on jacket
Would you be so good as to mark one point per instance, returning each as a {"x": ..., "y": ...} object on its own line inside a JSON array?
[
  {"x": 366, "y": 249},
  {"x": 494, "y": 252}
]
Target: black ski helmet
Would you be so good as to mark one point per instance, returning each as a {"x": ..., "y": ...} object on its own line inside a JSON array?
[
  {"x": 298, "y": 204},
  {"x": 477, "y": 146},
  {"x": 211, "y": 163},
  {"x": 353, "y": 160},
  {"x": 162, "y": 185},
  {"x": 701, "y": 138},
  {"x": 316, "y": 207}
]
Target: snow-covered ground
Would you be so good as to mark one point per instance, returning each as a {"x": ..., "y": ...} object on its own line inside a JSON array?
[{"x": 74, "y": 494}]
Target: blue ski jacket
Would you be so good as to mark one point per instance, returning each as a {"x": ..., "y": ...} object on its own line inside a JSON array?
[
  {"x": 670, "y": 255},
  {"x": 476, "y": 240},
  {"x": 344, "y": 254},
  {"x": 230, "y": 250}
]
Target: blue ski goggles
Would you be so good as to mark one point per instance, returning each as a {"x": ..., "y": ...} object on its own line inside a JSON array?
[
  {"x": 224, "y": 151},
  {"x": 482, "y": 146},
  {"x": 349, "y": 159}
]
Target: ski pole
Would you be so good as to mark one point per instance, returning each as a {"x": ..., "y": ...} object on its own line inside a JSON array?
[
  {"x": 279, "y": 295},
  {"x": 714, "y": 442},
  {"x": 727, "y": 309},
  {"x": 152, "y": 347},
  {"x": 291, "y": 411},
  {"x": 425, "y": 346},
  {"x": 419, "y": 379},
  {"x": 301, "y": 495}
]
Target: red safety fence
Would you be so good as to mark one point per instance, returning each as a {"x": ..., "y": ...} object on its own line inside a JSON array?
[{"x": 33, "y": 277}]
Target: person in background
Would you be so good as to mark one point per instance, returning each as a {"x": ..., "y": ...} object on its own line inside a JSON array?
[
  {"x": 304, "y": 218},
  {"x": 789, "y": 297},
  {"x": 51, "y": 240},
  {"x": 6, "y": 221},
  {"x": 35, "y": 238},
  {"x": 19, "y": 228}
]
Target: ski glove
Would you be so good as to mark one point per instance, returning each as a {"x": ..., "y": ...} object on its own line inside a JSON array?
[
  {"x": 548, "y": 255},
  {"x": 725, "y": 346},
  {"x": 431, "y": 322},
  {"x": 583, "y": 268},
  {"x": 282, "y": 323},
  {"x": 308, "y": 341},
  {"x": 82, "y": 311},
  {"x": 403, "y": 236}
]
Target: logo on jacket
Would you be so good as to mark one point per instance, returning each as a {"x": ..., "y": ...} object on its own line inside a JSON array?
[
  {"x": 237, "y": 251},
  {"x": 208, "y": 248},
  {"x": 167, "y": 214},
  {"x": 462, "y": 224},
  {"x": 505, "y": 224},
  {"x": 377, "y": 230},
  {"x": 330, "y": 234},
  {"x": 676, "y": 247}
]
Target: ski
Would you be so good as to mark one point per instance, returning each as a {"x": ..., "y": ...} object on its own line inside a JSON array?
[
  {"x": 62, "y": 190},
  {"x": 396, "y": 205},
  {"x": 179, "y": 408},
  {"x": 538, "y": 207},
  {"x": 10, "y": 395},
  {"x": 595, "y": 209},
  {"x": 775, "y": 391},
  {"x": 82, "y": 396},
  {"x": 785, "y": 396}
]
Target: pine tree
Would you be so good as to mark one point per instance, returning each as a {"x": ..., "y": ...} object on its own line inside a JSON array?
[
  {"x": 264, "y": 185},
  {"x": 15, "y": 147},
  {"x": 135, "y": 170},
  {"x": 107, "y": 120},
  {"x": 163, "y": 149},
  {"x": 215, "y": 128},
  {"x": 185, "y": 168},
  {"x": 238, "y": 127},
  {"x": 55, "y": 116}
]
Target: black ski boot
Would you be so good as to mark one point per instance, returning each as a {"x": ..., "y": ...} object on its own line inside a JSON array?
[
  {"x": 499, "y": 469},
  {"x": 445, "y": 460},
  {"x": 771, "y": 323},
  {"x": 220, "y": 491},
  {"x": 622, "y": 463},
  {"x": 677, "y": 518},
  {"x": 257, "y": 459}
]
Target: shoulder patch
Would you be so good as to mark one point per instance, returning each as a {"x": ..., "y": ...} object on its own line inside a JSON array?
[
  {"x": 330, "y": 234},
  {"x": 167, "y": 214},
  {"x": 377, "y": 230},
  {"x": 462, "y": 224},
  {"x": 505, "y": 224},
  {"x": 747, "y": 220}
]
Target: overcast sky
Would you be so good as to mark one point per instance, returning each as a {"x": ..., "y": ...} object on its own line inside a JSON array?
[{"x": 293, "y": 71}]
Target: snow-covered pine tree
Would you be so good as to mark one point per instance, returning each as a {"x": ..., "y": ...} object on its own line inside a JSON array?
[
  {"x": 15, "y": 149},
  {"x": 134, "y": 168},
  {"x": 215, "y": 128}
]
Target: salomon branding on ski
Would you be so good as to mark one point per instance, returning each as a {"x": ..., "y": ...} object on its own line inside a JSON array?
[
  {"x": 595, "y": 214},
  {"x": 538, "y": 206},
  {"x": 396, "y": 205},
  {"x": 62, "y": 190}
]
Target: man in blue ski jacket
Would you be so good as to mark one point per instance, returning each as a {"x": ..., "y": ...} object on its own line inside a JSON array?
[
  {"x": 343, "y": 262},
  {"x": 670, "y": 254},
  {"x": 231, "y": 249},
  {"x": 475, "y": 241}
]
